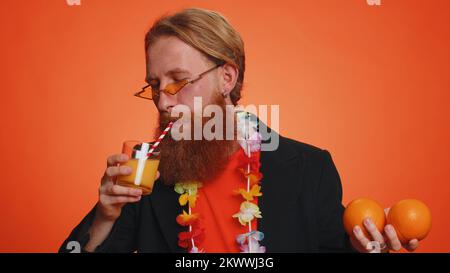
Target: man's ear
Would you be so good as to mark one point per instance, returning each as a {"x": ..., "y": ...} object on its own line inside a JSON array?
[{"x": 229, "y": 76}]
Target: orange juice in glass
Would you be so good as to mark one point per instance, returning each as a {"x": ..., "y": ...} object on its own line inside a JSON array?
[{"x": 144, "y": 168}]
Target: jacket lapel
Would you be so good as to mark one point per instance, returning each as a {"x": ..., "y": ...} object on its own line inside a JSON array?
[
  {"x": 279, "y": 169},
  {"x": 280, "y": 185},
  {"x": 166, "y": 208}
]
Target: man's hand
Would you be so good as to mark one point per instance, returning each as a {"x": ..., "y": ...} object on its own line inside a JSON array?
[
  {"x": 111, "y": 199},
  {"x": 387, "y": 240}
]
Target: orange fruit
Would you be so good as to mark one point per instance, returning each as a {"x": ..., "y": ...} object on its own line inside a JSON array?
[
  {"x": 411, "y": 219},
  {"x": 358, "y": 210}
]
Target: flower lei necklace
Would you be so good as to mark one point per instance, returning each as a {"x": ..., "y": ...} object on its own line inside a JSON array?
[{"x": 250, "y": 140}]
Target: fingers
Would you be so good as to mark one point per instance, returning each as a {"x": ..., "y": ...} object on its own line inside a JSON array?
[
  {"x": 374, "y": 232},
  {"x": 377, "y": 237},
  {"x": 113, "y": 170},
  {"x": 412, "y": 245},
  {"x": 117, "y": 158},
  {"x": 121, "y": 199},
  {"x": 111, "y": 196},
  {"x": 117, "y": 190},
  {"x": 392, "y": 238},
  {"x": 117, "y": 170},
  {"x": 359, "y": 235},
  {"x": 394, "y": 242},
  {"x": 115, "y": 194}
]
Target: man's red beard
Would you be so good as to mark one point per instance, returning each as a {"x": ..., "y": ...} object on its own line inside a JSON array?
[{"x": 193, "y": 160}]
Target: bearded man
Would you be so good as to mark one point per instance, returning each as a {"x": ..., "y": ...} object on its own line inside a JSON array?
[{"x": 221, "y": 194}]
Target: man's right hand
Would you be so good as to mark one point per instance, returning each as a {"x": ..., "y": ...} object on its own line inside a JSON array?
[{"x": 111, "y": 199}]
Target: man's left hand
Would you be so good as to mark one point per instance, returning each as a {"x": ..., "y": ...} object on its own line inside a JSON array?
[{"x": 387, "y": 241}]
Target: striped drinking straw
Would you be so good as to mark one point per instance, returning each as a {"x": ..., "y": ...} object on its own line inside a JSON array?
[{"x": 164, "y": 133}]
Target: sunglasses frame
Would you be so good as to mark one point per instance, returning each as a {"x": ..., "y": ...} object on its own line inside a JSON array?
[{"x": 176, "y": 89}]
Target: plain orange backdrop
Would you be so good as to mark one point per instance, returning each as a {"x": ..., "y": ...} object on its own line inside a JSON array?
[{"x": 370, "y": 84}]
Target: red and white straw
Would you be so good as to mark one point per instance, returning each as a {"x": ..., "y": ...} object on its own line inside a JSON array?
[{"x": 164, "y": 133}]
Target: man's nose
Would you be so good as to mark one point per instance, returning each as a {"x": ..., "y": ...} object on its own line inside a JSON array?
[{"x": 166, "y": 102}]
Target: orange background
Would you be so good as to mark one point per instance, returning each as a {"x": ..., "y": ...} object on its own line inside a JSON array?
[{"x": 369, "y": 83}]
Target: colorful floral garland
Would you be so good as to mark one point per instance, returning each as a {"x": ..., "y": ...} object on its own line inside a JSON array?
[{"x": 250, "y": 140}]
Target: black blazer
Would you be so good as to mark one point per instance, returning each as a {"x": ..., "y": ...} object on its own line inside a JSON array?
[{"x": 301, "y": 209}]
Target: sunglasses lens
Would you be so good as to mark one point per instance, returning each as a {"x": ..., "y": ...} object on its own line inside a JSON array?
[
  {"x": 172, "y": 89},
  {"x": 175, "y": 87},
  {"x": 146, "y": 93}
]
